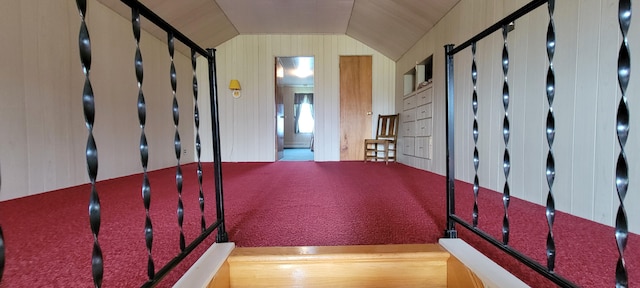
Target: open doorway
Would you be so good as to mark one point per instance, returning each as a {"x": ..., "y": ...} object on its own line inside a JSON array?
[{"x": 295, "y": 124}]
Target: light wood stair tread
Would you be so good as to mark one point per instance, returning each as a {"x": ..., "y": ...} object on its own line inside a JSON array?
[{"x": 345, "y": 253}]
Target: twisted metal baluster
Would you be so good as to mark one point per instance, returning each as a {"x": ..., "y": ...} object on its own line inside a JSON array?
[
  {"x": 622, "y": 128},
  {"x": 476, "y": 154},
  {"x": 506, "y": 162},
  {"x": 144, "y": 148},
  {"x": 550, "y": 132},
  {"x": 91, "y": 150},
  {"x": 196, "y": 119},
  {"x": 176, "y": 138}
]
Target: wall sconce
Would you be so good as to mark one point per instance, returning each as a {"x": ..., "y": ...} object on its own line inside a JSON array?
[{"x": 234, "y": 85}]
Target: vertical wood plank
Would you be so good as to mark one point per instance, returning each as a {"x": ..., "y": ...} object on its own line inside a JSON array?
[
  {"x": 565, "y": 68},
  {"x": 605, "y": 142},
  {"x": 586, "y": 86},
  {"x": 13, "y": 109}
]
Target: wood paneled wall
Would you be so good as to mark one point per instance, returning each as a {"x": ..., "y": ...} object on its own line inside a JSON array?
[
  {"x": 41, "y": 116},
  {"x": 587, "y": 96},
  {"x": 248, "y": 123},
  {"x": 43, "y": 133}
]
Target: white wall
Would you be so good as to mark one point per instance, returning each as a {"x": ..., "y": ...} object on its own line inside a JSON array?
[
  {"x": 248, "y": 123},
  {"x": 587, "y": 94},
  {"x": 41, "y": 116},
  {"x": 43, "y": 133}
]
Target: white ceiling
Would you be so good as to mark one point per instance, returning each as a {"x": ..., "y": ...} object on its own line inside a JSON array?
[
  {"x": 290, "y": 17},
  {"x": 389, "y": 26}
]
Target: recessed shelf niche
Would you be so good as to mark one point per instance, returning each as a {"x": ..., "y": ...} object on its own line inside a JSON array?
[{"x": 422, "y": 73}]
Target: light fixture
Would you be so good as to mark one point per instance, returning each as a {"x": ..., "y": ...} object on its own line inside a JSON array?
[
  {"x": 304, "y": 68},
  {"x": 234, "y": 85}
]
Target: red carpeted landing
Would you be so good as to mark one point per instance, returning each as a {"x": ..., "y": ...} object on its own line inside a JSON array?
[{"x": 48, "y": 239}]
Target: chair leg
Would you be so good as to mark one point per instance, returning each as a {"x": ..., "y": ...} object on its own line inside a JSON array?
[
  {"x": 386, "y": 153},
  {"x": 366, "y": 151}
]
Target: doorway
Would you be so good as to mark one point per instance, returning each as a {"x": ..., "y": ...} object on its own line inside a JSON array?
[{"x": 295, "y": 113}]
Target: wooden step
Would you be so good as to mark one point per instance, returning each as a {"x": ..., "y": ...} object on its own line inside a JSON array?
[{"x": 407, "y": 265}]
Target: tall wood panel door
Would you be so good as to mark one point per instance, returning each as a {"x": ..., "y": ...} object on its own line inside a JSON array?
[{"x": 355, "y": 105}]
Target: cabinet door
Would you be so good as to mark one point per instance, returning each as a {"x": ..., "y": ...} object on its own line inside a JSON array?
[
  {"x": 409, "y": 146},
  {"x": 423, "y": 147},
  {"x": 409, "y": 102},
  {"x": 425, "y": 96},
  {"x": 424, "y": 111},
  {"x": 409, "y": 129},
  {"x": 408, "y": 115},
  {"x": 423, "y": 127}
]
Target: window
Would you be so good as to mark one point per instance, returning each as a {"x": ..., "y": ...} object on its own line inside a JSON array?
[
  {"x": 305, "y": 122},
  {"x": 303, "y": 110}
]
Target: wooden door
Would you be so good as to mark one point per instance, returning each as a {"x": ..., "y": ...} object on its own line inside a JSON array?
[{"x": 355, "y": 105}]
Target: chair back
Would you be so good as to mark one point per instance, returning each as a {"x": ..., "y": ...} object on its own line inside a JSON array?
[{"x": 387, "y": 127}]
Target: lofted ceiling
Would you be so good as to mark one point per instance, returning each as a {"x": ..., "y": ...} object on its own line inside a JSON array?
[{"x": 389, "y": 26}]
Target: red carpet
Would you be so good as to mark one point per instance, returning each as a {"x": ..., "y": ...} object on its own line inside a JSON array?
[
  {"x": 48, "y": 238},
  {"x": 332, "y": 203}
]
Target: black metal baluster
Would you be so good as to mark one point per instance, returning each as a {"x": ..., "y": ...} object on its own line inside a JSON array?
[
  {"x": 450, "y": 231},
  {"x": 196, "y": 119},
  {"x": 476, "y": 154},
  {"x": 506, "y": 160},
  {"x": 176, "y": 138},
  {"x": 91, "y": 150},
  {"x": 622, "y": 129},
  {"x": 550, "y": 132},
  {"x": 215, "y": 131},
  {"x": 144, "y": 148},
  {"x": 452, "y": 219}
]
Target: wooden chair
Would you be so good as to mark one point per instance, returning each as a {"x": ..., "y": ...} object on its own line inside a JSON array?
[{"x": 384, "y": 146}]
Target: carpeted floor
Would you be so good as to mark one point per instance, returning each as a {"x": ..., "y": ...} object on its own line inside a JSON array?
[
  {"x": 330, "y": 203},
  {"x": 48, "y": 239}
]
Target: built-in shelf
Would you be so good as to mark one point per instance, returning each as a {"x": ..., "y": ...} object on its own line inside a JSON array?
[
  {"x": 418, "y": 76},
  {"x": 417, "y": 122}
]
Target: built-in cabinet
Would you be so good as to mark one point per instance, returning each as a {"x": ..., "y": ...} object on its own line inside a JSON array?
[{"x": 417, "y": 123}]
